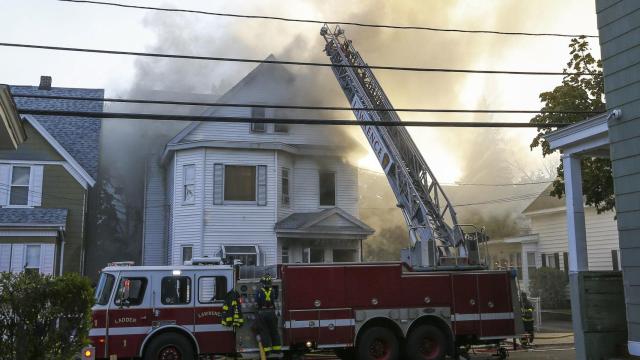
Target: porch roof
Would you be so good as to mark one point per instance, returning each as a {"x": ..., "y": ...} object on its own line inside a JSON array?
[{"x": 333, "y": 223}]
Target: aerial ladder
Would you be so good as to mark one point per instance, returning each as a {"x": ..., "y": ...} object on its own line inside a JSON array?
[{"x": 438, "y": 241}]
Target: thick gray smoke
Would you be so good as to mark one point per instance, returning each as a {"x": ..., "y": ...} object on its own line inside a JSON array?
[{"x": 481, "y": 156}]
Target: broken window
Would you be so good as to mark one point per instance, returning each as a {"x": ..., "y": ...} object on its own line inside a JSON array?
[
  {"x": 189, "y": 179},
  {"x": 327, "y": 189}
]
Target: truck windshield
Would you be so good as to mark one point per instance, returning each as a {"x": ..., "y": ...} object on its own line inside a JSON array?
[{"x": 104, "y": 288}]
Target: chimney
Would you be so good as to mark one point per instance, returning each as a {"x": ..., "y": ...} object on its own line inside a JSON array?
[{"x": 45, "y": 83}]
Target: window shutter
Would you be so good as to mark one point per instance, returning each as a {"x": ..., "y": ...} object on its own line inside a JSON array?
[
  {"x": 262, "y": 185},
  {"x": 35, "y": 185},
  {"x": 218, "y": 183},
  {"x": 5, "y": 184},
  {"x": 5, "y": 257}
]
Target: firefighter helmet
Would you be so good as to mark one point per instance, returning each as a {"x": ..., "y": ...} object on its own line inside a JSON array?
[{"x": 266, "y": 280}]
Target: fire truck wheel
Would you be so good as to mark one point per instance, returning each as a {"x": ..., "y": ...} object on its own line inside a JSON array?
[
  {"x": 378, "y": 343},
  {"x": 169, "y": 346},
  {"x": 426, "y": 342}
]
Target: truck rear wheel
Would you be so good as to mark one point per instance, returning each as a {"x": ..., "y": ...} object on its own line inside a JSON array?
[
  {"x": 377, "y": 343},
  {"x": 426, "y": 342},
  {"x": 169, "y": 346}
]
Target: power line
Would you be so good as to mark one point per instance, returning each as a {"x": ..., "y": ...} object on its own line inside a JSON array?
[
  {"x": 305, "y": 121},
  {"x": 296, "y": 107},
  {"x": 311, "y": 21},
  {"x": 502, "y": 200},
  {"x": 503, "y": 184},
  {"x": 285, "y": 62}
]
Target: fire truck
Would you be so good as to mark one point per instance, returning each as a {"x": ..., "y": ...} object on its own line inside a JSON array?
[
  {"x": 439, "y": 299},
  {"x": 363, "y": 310}
]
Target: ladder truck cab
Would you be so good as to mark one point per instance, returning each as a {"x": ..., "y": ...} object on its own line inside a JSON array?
[{"x": 362, "y": 310}]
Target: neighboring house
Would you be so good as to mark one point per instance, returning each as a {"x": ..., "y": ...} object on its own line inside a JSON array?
[
  {"x": 261, "y": 193},
  {"x": 12, "y": 132},
  {"x": 546, "y": 243},
  {"x": 45, "y": 184}
]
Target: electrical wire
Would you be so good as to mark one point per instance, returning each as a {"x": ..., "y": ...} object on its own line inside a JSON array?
[
  {"x": 296, "y": 107},
  {"x": 304, "y": 121},
  {"x": 297, "y": 63},
  {"x": 311, "y": 21}
]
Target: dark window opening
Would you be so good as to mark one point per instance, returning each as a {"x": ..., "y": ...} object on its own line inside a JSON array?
[
  {"x": 239, "y": 183},
  {"x": 327, "y": 189}
]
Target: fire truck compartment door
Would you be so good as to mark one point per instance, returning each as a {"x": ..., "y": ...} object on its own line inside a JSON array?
[
  {"x": 336, "y": 326},
  {"x": 466, "y": 316},
  {"x": 496, "y": 311},
  {"x": 303, "y": 326}
]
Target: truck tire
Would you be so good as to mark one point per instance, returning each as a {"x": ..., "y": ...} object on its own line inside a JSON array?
[
  {"x": 377, "y": 343},
  {"x": 169, "y": 346},
  {"x": 426, "y": 342}
]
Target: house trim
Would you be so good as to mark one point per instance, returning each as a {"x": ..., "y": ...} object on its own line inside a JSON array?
[
  {"x": 81, "y": 172},
  {"x": 546, "y": 211}
]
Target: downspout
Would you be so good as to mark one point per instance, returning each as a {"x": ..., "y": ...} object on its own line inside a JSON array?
[{"x": 61, "y": 250}]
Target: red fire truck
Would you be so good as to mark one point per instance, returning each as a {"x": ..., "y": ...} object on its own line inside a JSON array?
[{"x": 370, "y": 310}]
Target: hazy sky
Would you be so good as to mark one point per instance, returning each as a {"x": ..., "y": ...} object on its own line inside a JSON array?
[{"x": 449, "y": 151}]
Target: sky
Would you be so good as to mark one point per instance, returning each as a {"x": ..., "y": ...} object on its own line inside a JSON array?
[{"x": 452, "y": 153}]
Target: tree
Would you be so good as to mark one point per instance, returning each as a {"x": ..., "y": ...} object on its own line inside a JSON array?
[{"x": 578, "y": 93}]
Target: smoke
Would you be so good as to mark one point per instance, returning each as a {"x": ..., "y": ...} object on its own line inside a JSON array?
[{"x": 473, "y": 155}]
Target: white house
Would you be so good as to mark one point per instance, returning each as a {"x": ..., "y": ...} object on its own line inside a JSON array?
[
  {"x": 547, "y": 243},
  {"x": 262, "y": 193}
]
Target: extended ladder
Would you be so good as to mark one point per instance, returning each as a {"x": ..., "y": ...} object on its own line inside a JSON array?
[{"x": 437, "y": 240}]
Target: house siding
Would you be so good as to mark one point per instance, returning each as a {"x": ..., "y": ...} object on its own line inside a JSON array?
[
  {"x": 35, "y": 149},
  {"x": 602, "y": 237},
  {"x": 155, "y": 214},
  {"x": 620, "y": 46}
]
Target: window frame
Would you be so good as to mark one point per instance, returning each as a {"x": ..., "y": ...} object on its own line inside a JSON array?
[
  {"x": 226, "y": 254},
  {"x": 320, "y": 174},
  {"x": 254, "y": 115},
  {"x": 178, "y": 278},
  {"x": 224, "y": 185},
  {"x": 12, "y": 186},
  {"x": 217, "y": 297},
  {"x": 284, "y": 252},
  {"x": 285, "y": 197},
  {"x": 104, "y": 300},
  {"x": 185, "y": 184},
  {"x": 182, "y": 249},
  {"x": 26, "y": 255}
]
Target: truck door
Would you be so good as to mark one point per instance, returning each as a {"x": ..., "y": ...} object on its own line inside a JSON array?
[
  {"x": 212, "y": 288},
  {"x": 466, "y": 316},
  {"x": 175, "y": 303},
  {"x": 496, "y": 311},
  {"x": 129, "y": 318}
]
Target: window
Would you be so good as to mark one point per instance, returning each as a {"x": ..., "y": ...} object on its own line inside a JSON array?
[
  {"x": 285, "y": 254},
  {"x": 285, "y": 187},
  {"x": 104, "y": 288},
  {"x": 175, "y": 290},
  {"x": 247, "y": 254},
  {"x": 258, "y": 113},
  {"x": 19, "y": 194},
  {"x": 189, "y": 183},
  {"x": 344, "y": 255},
  {"x": 239, "y": 183},
  {"x": 316, "y": 255},
  {"x": 187, "y": 253},
  {"x": 32, "y": 258},
  {"x": 281, "y": 128},
  {"x": 130, "y": 291},
  {"x": 211, "y": 289},
  {"x": 614, "y": 260},
  {"x": 327, "y": 189},
  {"x": 531, "y": 263},
  {"x": 305, "y": 255}
]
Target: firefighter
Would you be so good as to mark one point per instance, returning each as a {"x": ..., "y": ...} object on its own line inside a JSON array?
[
  {"x": 267, "y": 319},
  {"x": 527, "y": 318},
  {"x": 232, "y": 311}
]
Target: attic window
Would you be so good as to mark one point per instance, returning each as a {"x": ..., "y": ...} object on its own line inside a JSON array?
[{"x": 258, "y": 113}]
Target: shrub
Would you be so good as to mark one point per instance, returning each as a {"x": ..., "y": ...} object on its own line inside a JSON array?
[
  {"x": 551, "y": 286},
  {"x": 43, "y": 317}
]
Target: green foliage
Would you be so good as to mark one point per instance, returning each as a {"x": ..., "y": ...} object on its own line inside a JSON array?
[
  {"x": 578, "y": 93},
  {"x": 43, "y": 317},
  {"x": 550, "y": 285}
]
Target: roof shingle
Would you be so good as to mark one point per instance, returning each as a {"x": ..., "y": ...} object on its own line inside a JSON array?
[{"x": 39, "y": 216}]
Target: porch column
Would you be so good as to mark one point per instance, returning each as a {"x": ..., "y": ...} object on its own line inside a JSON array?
[{"x": 577, "y": 234}]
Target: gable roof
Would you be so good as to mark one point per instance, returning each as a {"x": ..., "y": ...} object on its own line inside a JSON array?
[
  {"x": 328, "y": 222},
  {"x": 80, "y": 137},
  {"x": 544, "y": 201}
]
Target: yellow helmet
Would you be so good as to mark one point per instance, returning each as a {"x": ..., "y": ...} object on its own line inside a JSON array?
[{"x": 266, "y": 280}]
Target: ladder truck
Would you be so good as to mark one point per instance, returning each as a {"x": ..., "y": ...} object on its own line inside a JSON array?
[
  {"x": 438, "y": 241},
  {"x": 436, "y": 303}
]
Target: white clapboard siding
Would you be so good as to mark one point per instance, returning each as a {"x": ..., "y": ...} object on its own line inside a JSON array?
[
  {"x": 154, "y": 215},
  {"x": 35, "y": 185},
  {"x": 170, "y": 205},
  {"x": 47, "y": 258},
  {"x": 5, "y": 183},
  {"x": 5, "y": 257},
  {"x": 17, "y": 258},
  {"x": 602, "y": 236},
  {"x": 187, "y": 218},
  {"x": 239, "y": 224}
]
